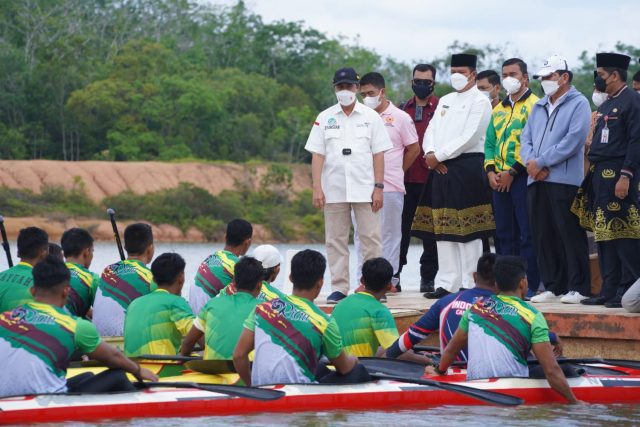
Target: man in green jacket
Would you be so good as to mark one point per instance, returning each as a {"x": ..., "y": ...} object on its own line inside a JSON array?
[{"x": 505, "y": 168}]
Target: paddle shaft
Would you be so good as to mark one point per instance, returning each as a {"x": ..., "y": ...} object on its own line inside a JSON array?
[
  {"x": 112, "y": 215},
  {"x": 252, "y": 393},
  {"x": 5, "y": 242}
]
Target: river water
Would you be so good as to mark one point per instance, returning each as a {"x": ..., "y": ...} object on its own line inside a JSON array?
[{"x": 563, "y": 415}]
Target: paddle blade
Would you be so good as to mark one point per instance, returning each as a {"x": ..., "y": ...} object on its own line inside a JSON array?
[
  {"x": 395, "y": 367},
  {"x": 212, "y": 367},
  {"x": 487, "y": 396}
]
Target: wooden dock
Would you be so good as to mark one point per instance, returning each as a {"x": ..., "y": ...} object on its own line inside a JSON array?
[{"x": 587, "y": 331}]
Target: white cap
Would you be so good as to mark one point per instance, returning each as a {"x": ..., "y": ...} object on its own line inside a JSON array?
[
  {"x": 551, "y": 65},
  {"x": 268, "y": 255}
]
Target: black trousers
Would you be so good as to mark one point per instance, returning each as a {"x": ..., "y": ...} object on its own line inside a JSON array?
[
  {"x": 560, "y": 244},
  {"x": 357, "y": 375},
  {"x": 429, "y": 257},
  {"x": 619, "y": 262},
  {"x": 106, "y": 381}
]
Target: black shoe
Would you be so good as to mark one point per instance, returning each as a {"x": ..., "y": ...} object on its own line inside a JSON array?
[
  {"x": 397, "y": 276},
  {"x": 439, "y": 293},
  {"x": 597, "y": 300},
  {"x": 615, "y": 302},
  {"x": 427, "y": 286},
  {"x": 335, "y": 297}
]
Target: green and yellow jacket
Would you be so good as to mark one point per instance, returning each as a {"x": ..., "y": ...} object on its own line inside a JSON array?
[{"x": 502, "y": 144}]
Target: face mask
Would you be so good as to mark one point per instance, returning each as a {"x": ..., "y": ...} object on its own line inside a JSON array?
[
  {"x": 422, "y": 91},
  {"x": 486, "y": 93},
  {"x": 373, "y": 102},
  {"x": 598, "y": 98},
  {"x": 601, "y": 83},
  {"x": 511, "y": 85},
  {"x": 346, "y": 97},
  {"x": 549, "y": 87},
  {"x": 459, "y": 81}
]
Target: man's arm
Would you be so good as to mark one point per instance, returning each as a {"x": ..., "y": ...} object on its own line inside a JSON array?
[
  {"x": 429, "y": 141},
  {"x": 426, "y": 325},
  {"x": 317, "y": 162},
  {"x": 526, "y": 142},
  {"x": 344, "y": 363},
  {"x": 544, "y": 353},
  {"x": 378, "y": 172},
  {"x": 189, "y": 342},
  {"x": 632, "y": 160},
  {"x": 474, "y": 127},
  {"x": 410, "y": 156},
  {"x": 490, "y": 148},
  {"x": 114, "y": 358},
  {"x": 241, "y": 355},
  {"x": 458, "y": 341}
]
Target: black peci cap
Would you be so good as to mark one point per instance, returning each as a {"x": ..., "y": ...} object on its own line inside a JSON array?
[
  {"x": 464, "y": 60},
  {"x": 609, "y": 60},
  {"x": 346, "y": 75}
]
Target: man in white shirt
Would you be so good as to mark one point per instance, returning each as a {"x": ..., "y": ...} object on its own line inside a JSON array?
[
  {"x": 348, "y": 141},
  {"x": 455, "y": 209}
]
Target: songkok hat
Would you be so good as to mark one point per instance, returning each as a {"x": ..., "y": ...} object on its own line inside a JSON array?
[
  {"x": 464, "y": 60},
  {"x": 612, "y": 60},
  {"x": 268, "y": 255}
]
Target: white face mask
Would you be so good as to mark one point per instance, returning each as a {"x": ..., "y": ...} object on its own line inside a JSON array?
[
  {"x": 598, "y": 98},
  {"x": 511, "y": 85},
  {"x": 459, "y": 81},
  {"x": 373, "y": 102},
  {"x": 549, "y": 87},
  {"x": 346, "y": 97},
  {"x": 487, "y": 93}
]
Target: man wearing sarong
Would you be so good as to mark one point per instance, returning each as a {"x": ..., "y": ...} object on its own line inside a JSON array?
[
  {"x": 455, "y": 209},
  {"x": 607, "y": 202}
]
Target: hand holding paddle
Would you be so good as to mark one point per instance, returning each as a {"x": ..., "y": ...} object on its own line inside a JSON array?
[
  {"x": 112, "y": 215},
  {"x": 5, "y": 243}
]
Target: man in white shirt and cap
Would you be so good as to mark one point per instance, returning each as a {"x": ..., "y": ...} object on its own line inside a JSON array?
[
  {"x": 455, "y": 209},
  {"x": 348, "y": 141}
]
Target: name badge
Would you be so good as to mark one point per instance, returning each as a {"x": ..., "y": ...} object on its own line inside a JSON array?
[{"x": 604, "y": 138}]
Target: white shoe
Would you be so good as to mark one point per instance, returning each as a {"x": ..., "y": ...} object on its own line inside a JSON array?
[
  {"x": 546, "y": 296},
  {"x": 572, "y": 297}
]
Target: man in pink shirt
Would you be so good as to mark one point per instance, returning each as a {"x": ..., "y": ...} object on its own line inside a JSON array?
[{"x": 402, "y": 132}]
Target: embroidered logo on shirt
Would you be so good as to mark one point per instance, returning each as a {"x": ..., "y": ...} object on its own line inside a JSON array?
[
  {"x": 363, "y": 125},
  {"x": 332, "y": 124},
  {"x": 389, "y": 121},
  {"x": 608, "y": 173}
]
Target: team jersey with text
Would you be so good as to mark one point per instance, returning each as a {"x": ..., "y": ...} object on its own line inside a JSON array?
[
  {"x": 267, "y": 293},
  {"x": 216, "y": 272},
  {"x": 83, "y": 289},
  {"x": 14, "y": 286}
]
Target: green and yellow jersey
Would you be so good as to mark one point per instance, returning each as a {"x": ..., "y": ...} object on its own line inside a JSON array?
[
  {"x": 267, "y": 292},
  {"x": 83, "y": 289},
  {"x": 14, "y": 286}
]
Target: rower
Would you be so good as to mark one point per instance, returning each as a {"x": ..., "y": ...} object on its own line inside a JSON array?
[
  {"x": 157, "y": 322},
  {"x": 366, "y": 326},
  {"x": 216, "y": 271},
  {"x": 38, "y": 338},
  {"x": 446, "y": 313},
  {"x": 292, "y": 333},
  {"x": 221, "y": 320},
  {"x": 124, "y": 281},
  {"x": 33, "y": 246},
  {"x": 56, "y": 251},
  {"x": 77, "y": 245},
  {"x": 271, "y": 259},
  {"x": 501, "y": 330}
]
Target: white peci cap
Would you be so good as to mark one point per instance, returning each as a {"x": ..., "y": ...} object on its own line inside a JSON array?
[
  {"x": 551, "y": 65},
  {"x": 268, "y": 255}
]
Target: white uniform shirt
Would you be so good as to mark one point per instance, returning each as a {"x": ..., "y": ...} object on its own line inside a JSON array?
[
  {"x": 459, "y": 125},
  {"x": 348, "y": 178}
]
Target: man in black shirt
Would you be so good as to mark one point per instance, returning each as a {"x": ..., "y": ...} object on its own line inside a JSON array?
[{"x": 607, "y": 202}]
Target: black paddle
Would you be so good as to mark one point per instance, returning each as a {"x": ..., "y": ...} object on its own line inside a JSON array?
[
  {"x": 212, "y": 367},
  {"x": 112, "y": 215},
  {"x": 487, "y": 396},
  {"x": 152, "y": 357},
  {"x": 587, "y": 360},
  {"x": 252, "y": 393},
  {"x": 5, "y": 242}
]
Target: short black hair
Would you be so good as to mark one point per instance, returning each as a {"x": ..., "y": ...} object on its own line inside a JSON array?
[
  {"x": 484, "y": 270},
  {"x": 424, "y": 67},
  {"x": 621, "y": 71},
  {"x": 636, "y": 76},
  {"x": 248, "y": 273},
  {"x": 74, "y": 241},
  {"x": 50, "y": 273},
  {"x": 492, "y": 76},
  {"x": 268, "y": 272},
  {"x": 376, "y": 273},
  {"x": 55, "y": 250},
  {"x": 137, "y": 238},
  {"x": 561, "y": 72},
  {"x": 519, "y": 62},
  {"x": 307, "y": 267},
  {"x": 166, "y": 268},
  {"x": 509, "y": 271},
  {"x": 238, "y": 230},
  {"x": 374, "y": 79},
  {"x": 31, "y": 242}
]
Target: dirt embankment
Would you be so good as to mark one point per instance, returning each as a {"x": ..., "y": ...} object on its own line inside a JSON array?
[{"x": 104, "y": 179}]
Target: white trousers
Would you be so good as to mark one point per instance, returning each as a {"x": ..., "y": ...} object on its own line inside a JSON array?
[
  {"x": 390, "y": 230},
  {"x": 457, "y": 262}
]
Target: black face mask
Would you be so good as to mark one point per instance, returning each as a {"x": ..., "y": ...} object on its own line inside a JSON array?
[
  {"x": 601, "y": 84},
  {"x": 422, "y": 91}
]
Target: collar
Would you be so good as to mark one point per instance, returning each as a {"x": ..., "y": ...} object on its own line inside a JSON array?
[
  {"x": 525, "y": 95},
  {"x": 482, "y": 291},
  {"x": 558, "y": 101},
  {"x": 25, "y": 264},
  {"x": 615, "y": 95},
  {"x": 509, "y": 297},
  {"x": 389, "y": 110},
  {"x": 161, "y": 290}
]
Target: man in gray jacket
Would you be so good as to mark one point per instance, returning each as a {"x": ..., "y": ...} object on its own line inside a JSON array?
[{"x": 552, "y": 145}]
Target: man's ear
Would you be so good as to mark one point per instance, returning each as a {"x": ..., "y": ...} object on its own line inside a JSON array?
[
  {"x": 388, "y": 287},
  {"x": 65, "y": 292},
  {"x": 319, "y": 284},
  {"x": 44, "y": 253},
  {"x": 181, "y": 278},
  {"x": 33, "y": 291},
  {"x": 362, "y": 280},
  {"x": 475, "y": 277}
]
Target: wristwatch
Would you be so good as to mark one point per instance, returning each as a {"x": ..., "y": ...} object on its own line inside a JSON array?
[
  {"x": 378, "y": 185},
  {"x": 513, "y": 172},
  {"x": 439, "y": 372}
]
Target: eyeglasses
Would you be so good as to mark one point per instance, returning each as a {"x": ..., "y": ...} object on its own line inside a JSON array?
[{"x": 425, "y": 82}]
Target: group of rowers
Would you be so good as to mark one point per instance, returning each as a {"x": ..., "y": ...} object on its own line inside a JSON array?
[{"x": 51, "y": 311}]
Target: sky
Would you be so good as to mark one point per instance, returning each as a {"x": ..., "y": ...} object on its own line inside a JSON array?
[{"x": 410, "y": 30}]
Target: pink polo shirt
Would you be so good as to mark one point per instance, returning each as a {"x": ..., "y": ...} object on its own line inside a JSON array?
[{"x": 402, "y": 132}]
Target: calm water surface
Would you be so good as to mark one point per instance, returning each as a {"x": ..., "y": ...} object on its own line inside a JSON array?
[{"x": 561, "y": 415}]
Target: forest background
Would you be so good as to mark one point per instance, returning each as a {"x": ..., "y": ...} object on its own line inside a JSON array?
[{"x": 178, "y": 81}]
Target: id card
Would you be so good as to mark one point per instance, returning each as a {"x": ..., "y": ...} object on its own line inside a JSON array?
[{"x": 604, "y": 139}]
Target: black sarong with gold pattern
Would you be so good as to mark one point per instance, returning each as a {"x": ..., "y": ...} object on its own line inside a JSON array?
[
  {"x": 455, "y": 207},
  {"x": 601, "y": 211}
]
